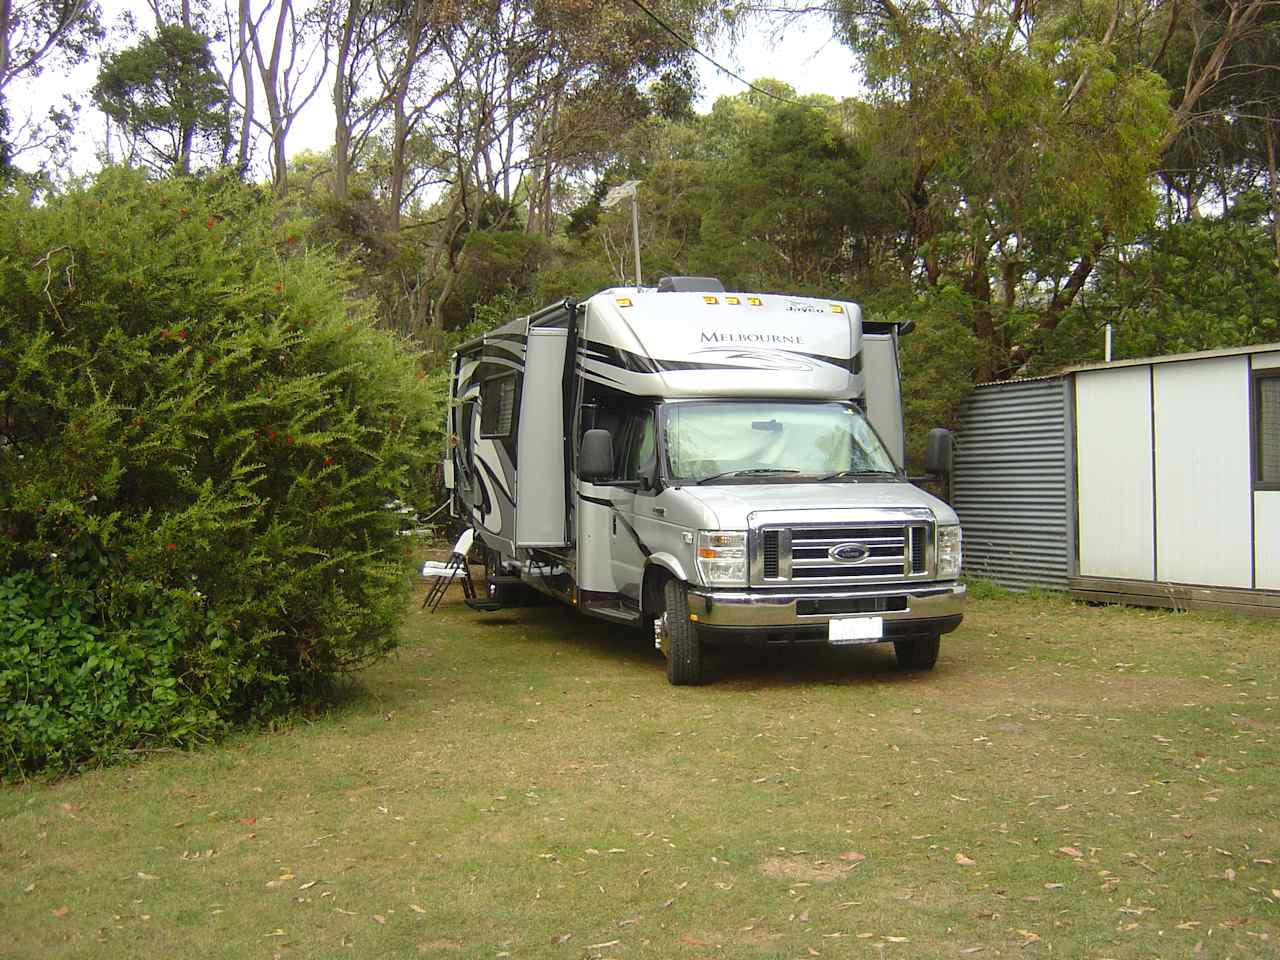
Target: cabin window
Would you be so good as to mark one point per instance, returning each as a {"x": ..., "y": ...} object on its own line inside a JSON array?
[
  {"x": 638, "y": 444},
  {"x": 1266, "y": 430},
  {"x": 498, "y": 406}
]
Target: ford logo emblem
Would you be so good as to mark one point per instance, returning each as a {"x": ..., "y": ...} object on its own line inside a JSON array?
[{"x": 849, "y": 552}]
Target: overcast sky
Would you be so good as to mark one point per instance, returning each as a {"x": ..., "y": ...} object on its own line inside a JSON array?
[{"x": 806, "y": 57}]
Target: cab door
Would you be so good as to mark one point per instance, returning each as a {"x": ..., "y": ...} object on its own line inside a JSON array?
[{"x": 628, "y": 551}]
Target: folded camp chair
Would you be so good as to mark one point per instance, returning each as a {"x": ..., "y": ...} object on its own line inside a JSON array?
[{"x": 445, "y": 573}]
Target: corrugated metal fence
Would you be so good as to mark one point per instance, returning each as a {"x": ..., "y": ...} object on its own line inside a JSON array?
[{"x": 1012, "y": 483}]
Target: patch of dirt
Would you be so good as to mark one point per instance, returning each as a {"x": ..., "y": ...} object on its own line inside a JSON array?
[
  {"x": 800, "y": 870},
  {"x": 435, "y": 946}
]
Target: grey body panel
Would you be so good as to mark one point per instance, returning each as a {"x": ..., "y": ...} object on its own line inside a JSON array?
[
  {"x": 540, "y": 492},
  {"x": 884, "y": 392}
]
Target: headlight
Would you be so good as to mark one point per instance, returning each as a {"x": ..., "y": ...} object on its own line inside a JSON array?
[
  {"x": 722, "y": 557},
  {"x": 948, "y": 552}
]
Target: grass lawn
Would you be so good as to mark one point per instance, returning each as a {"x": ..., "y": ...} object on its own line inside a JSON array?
[{"x": 1070, "y": 781}]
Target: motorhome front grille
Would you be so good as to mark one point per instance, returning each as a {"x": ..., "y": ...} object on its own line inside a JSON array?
[
  {"x": 848, "y": 553},
  {"x": 770, "y": 553},
  {"x": 917, "y": 549}
]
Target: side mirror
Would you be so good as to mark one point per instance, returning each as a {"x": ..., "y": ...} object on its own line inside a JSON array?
[
  {"x": 906, "y": 326},
  {"x": 595, "y": 456},
  {"x": 937, "y": 456}
]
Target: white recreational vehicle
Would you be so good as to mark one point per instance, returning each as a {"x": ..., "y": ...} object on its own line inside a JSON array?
[{"x": 704, "y": 465}]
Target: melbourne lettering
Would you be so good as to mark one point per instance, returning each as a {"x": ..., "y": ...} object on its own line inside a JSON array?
[{"x": 711, "y": 336}]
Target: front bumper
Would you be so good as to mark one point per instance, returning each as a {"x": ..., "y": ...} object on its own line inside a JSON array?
[{"x": 921, "y": 610}]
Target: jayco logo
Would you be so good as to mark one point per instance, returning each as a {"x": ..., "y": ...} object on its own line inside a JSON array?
[
  {"x": 714, "y": 336},
  {"x": 799, "y": 306}
]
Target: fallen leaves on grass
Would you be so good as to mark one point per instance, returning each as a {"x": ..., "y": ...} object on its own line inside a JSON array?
[
  {"x": 965, "y": 861},
  {"x": 1071, "y": 851},
  {"x": 60, "y": 911}
]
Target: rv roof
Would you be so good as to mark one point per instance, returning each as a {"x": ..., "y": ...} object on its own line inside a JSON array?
[{"x": 700, "y": 344}]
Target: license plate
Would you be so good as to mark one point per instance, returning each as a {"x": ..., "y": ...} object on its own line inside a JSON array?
[{"x": 855, "y": 630}]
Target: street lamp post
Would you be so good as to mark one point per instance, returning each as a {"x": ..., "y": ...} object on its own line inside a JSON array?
[{"x": 617, "y": 195}]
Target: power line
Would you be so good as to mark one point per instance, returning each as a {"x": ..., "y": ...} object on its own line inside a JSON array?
[{"x": 723, "y": 69}]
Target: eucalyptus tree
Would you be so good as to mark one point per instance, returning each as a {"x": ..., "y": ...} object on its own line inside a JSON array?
[
  {"x": 281, "y": 50},
  {"x": 167, "y": 96},
  {"x": 34, "y": 34}
]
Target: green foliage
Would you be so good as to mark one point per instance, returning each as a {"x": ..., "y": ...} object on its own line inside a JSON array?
[
  {"x": 165, "y": 93},
  {"x": 492, "y": 261},
  {"x": 1195, "y": 285},
  {"x": 938, "y": 362},
  {"x": 194, "y": 417},
  {"x": 74, "y": 683}
]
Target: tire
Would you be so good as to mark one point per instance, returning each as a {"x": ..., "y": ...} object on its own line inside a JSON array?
[
  {"x": 678, "y": 637},
  {"x": 918, "y": 654}
]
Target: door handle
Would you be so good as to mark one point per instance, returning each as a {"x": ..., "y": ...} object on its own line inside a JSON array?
[
  {"x": 659, "y": 511},
  {"x": 614, "y": 520}
]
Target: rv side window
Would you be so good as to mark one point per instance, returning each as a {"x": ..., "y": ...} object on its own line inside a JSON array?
[{"x": 498, "y": 406}]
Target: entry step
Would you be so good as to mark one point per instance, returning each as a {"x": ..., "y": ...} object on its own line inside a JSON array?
[{"x": 612, "y": 612}]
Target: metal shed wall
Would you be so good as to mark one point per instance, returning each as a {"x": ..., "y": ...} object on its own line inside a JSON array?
[{"x": 1013, "y": 483}]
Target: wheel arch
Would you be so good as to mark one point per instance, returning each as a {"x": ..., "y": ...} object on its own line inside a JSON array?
[{"x": 660, "y": 568}]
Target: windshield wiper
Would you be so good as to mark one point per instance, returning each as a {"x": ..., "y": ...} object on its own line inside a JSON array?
[
  {"x": 750, "y": 472},
  {"x": 841, "y": 474}
]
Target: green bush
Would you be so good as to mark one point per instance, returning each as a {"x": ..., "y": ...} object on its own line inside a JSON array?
[{"x": 199, "y": 434}]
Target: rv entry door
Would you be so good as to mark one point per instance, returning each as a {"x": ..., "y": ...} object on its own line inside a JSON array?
[{"x": 631, "y": 505}]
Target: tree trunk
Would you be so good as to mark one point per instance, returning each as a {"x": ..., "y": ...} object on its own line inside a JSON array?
[
  {"x": 246, "y": 77},
  {"x": 1269, "y": 126},
  {"x": 342, "y": 107}
]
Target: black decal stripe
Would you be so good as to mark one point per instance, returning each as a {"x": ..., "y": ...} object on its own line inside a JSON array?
[
  {"x": 625, "y": 523},
  {"x": 494, "y": 354},
  {"x": 612, "y": 356},
  {"x": 496, "y": 482},
  {"x": 519, "y": 338},
  {"x": 634, "y": 536}
]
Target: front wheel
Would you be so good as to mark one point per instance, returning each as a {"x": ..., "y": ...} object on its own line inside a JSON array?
[
  {"x": 918, "y": 654},
  {"x": 677, "y": 636}
]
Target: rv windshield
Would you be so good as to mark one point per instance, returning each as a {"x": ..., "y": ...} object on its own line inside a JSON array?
[{"x": 726, "y": 439}]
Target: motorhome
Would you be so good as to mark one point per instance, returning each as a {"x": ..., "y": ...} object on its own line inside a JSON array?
[{"x": 707, "y": 466}]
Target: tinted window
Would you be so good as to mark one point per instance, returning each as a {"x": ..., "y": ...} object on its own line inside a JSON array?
[{"x": 498, "y": 406}]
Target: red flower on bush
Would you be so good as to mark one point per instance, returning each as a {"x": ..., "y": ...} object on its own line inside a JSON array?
[
  {"x": 271, "y": 434},
  {"x": 171, "y": 546},
  {"x": 289, "y": 439},
  {"x": 164, "y": 334},
  {"x": 181, "y": 334},
  {"x": 328, "y": 461},
  {"x": 291, "y": 240}
]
